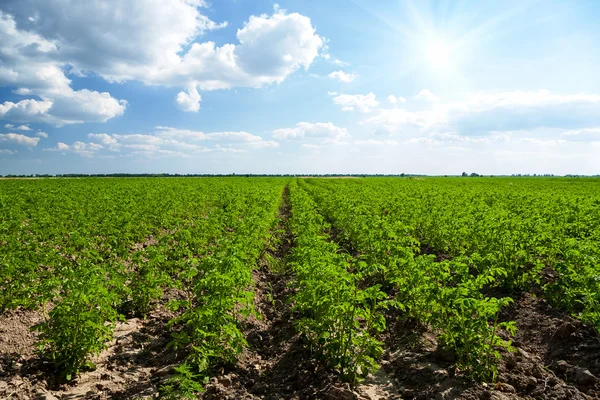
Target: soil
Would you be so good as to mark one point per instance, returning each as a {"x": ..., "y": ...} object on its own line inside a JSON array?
[
  {"x": 132, "y": 367},
  {"x": 276, "y": 364},
  {"x": 536, "y": 370},
  {"x": 556, "y": 356}
]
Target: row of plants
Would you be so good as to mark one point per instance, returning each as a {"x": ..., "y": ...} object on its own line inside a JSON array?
[
  {"x": 220, "y": 284},
  {"x": 198, "y": 236},
  {"x": 340, "y": 319},
  {"x": 90, "y": 252},
  {"x": 445, "y": 295},
  {"x": 532, "y": 233},
  {"x": 48, "y": 226}
]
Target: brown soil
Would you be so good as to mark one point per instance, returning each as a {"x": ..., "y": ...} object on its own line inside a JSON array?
[
  {"x": 556, "y": 358},
  {"x": 132, "y": 367},
  {"x": 439, "y": 255}
]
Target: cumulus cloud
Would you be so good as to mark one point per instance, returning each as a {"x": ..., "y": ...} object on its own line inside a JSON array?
[
  {"x": 180, "y": 134},
  {"x": 361, "y": 102},
  {"x": 186, "y": 135},
  {"x": 102, "y": 138},
  {"x": 309, "y": 130},
  {"x": 482, "y": 113},
  {"x": 343, "y": 76},
  {"x": 81, "y": 148},
  {"x": 19, "y": 139},
  {"x": 41, "y": 134},
  {"x": 166, "y": 141},
  {"x": 32, "y": 63},
  {"x": 18, "y": 128},
  {"x": 85, "y": 149},
  {"x": 39, "y": 41},
  {"x": 190, "y": 100},
  {"x": 395, "y": 100}
]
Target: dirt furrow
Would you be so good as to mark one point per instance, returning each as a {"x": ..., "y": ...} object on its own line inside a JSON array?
[{"x": 276, "y": 364}]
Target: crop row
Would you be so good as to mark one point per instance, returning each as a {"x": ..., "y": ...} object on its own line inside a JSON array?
[
  {"x": 528, "y": 233},
  {"x": 93, "y": 251},
  {"x": 445, "y": 295},
  {"x": 339, "y": 319},
  {"x": 90, "y": 252}
]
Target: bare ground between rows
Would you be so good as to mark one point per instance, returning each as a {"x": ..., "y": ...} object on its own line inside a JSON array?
[
  {"x": 276, "y": 364},
  {"x": 556, "y": 357},
  {"x": 132, "y": 367}
]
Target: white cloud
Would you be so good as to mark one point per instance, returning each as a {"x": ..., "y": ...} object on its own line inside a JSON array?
[
  {"x": 5, "y": 151},
  {"x": 161, "y": 47},
  {"x": 85, "y": 149},
  {"x": 482, "y": 113},
  {"x": 234, "y": 137},
  {"x": 361, "y": 102},
  {"x": 32, "y": 63},
  {"x": 395, "y": 100},
  {"x": 189, "y": 101},
  {"x": 426, "y": 94},
  {"x": 19, "y": 139},
  {"x": 41, "y": 134},
  {"x": 26, "y": 110},
  {"x": 310, "y": 130},
  {"x": 181, "y": 134},
  {"x": 340, "y": 62},
  {"x": 582, "y": 135},
  {"x": 22, "y": 128},
  {"x": 343, "y": 76},
  {"x": 169, "y": 141},
  {"x": 102, "y": 138},
  {"x": 9, "y": 126},
  {"x": 168, "y": 133},
  {"x": 80, "y": 148}
]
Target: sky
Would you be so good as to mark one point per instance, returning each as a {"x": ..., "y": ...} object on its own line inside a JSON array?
[{"x": 299, "y": 86}]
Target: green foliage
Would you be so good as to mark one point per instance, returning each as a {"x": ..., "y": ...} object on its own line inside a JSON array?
[
  {"x": 209, "y": 328},
  {"x": 338, "y": 318},
  {"x": 81, "y": 324},
  {"x": 446, "y": 295},
  {"x": 90, "y": 250},
  {"x": 185, "y": 384},
  {"x": 577, "y": 286}
]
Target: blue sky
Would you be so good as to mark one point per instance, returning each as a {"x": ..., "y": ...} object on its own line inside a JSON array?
[{"x": 299, "y": 86}]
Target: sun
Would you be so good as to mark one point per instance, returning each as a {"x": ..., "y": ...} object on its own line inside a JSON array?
[{"x": 438, "y": 53}]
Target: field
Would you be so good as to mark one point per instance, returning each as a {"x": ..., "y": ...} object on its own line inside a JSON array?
[{"x": 300, "y": 288}]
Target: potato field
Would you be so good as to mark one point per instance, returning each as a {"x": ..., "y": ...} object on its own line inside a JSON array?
[{"x": 300, "y": 288}]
